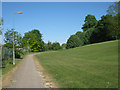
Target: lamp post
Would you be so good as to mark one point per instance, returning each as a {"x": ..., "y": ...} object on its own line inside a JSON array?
[{"x": 13, "y": 37}]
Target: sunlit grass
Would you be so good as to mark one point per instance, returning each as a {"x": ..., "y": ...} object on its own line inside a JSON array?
[{"x": 90, "y": 66}]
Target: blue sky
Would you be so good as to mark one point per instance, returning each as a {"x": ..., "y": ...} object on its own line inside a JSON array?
[{"x": 55, "y": 20}]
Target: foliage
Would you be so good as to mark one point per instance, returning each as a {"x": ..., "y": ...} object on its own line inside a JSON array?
[
  {"x": 108, "y": 27},
  {"x": 113, "y": 9},
  {"x": 64, "y": 45},
  {"x": 87, "y": 36},
  {"x": 18, "y": 53},
  {"x": 73, "y": 41},
  {"x": 90, "y": 22},
  {"x": 1, "y": 23},
  {"x": 9, "y": 38},
  {"x": 96, "y": 31},
  {"x": 56, "y": 46},
  {"x": 33, "y": 40},
  {"x": 17, "y": 41},
  {"x": 81, "y": 37},
  {"x": 49, "y": 45}
]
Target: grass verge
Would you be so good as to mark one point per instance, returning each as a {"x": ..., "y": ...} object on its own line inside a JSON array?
[{"x": 8, "y": 67}]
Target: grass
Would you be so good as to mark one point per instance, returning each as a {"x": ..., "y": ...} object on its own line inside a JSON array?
[
  {"x": 9, "y": 66},
  {"x": 90, "y": 66}
]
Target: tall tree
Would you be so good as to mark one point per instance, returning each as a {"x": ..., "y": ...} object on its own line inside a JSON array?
[
  {"x": 90, "y": 22},
  {"x": 108, "y": 28}
]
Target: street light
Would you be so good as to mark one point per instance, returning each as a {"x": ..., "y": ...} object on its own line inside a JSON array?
[{"x": 13, "y": 36}]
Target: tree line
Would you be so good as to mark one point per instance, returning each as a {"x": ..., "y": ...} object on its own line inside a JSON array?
[
  {"x": 30, "y": 42},
  {"x": 97, "y": 31},
  {"x": 93, "y": 32}
]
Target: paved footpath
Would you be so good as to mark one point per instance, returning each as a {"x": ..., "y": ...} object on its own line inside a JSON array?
[{"x": 27, "y": 75}]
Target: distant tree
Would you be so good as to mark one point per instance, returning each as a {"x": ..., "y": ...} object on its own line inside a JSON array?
[
  {"x": 73, "y": 42},
  {"x": 90, "y": 22},
  {"x": 64, "y": 45},
  {"x": 33, "y": 39},
  {"x": 49, "y": 45},
  {"x": 56, "y": 46}
]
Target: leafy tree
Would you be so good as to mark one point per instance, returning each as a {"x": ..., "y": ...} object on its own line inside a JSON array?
[
  {"x": 88, "y": 36},
  {"x": 56, "y": 46},
  {"x": 107, "y": 28},
  {"x": 81, "y": 37},
  {"x": 17, "y": 41},
  {"x": 9, "y": 39},
  {"x": 33, "y": 40},
  {"x": 73, "y": 42},
  {"x": 114, "y": 26},
  {"x": 90, "y": 22}
]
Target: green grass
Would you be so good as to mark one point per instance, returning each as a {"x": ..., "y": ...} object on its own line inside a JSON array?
[
  {"x": 9, "y": 66},
  {"x": 90, "y": 66}
]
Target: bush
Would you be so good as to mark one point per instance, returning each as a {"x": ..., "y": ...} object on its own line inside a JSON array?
[{"x": 18, "y": 53}]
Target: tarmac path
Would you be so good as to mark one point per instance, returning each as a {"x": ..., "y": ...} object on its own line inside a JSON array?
[{"x": 27, "y": 75}]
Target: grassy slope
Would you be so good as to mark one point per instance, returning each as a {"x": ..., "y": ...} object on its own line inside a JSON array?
[{"x": 91, "y": 66}]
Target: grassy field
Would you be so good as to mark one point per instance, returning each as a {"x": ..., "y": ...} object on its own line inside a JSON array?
[{"x": 91, "y": 66}]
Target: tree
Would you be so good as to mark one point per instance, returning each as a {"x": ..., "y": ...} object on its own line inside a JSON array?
[
  {"x": 33, "y": 40},
  {"x": 64, "y": 45},
  {"x": 90, "y": 22},
  {"x": 73, "y": 42},
  {"x": 49, "y": 45},
  {"x": 1, "y": 23},
  {"x": 81, "y": 37},
  {"x": 114, "y": 9},
  {"x": 56, "y": 46},
  {"x": 107, "y": 28},
  {"x": 17, "y": 41},
  {"x": 88, "y": 36},
  {"x": 9, "y": 39}
]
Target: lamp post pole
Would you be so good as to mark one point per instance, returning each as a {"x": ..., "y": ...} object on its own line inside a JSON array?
[
  {"x": 13, "y": 41},
  {"x": 14, "y": 38}
]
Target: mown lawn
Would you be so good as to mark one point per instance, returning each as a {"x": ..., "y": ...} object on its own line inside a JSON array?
[{"x": 91, "y": 66}]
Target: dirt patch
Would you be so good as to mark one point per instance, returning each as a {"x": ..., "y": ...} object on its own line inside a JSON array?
[
  {"x": 7, "y": 78},
  {"x": 48, "y": 81}
]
